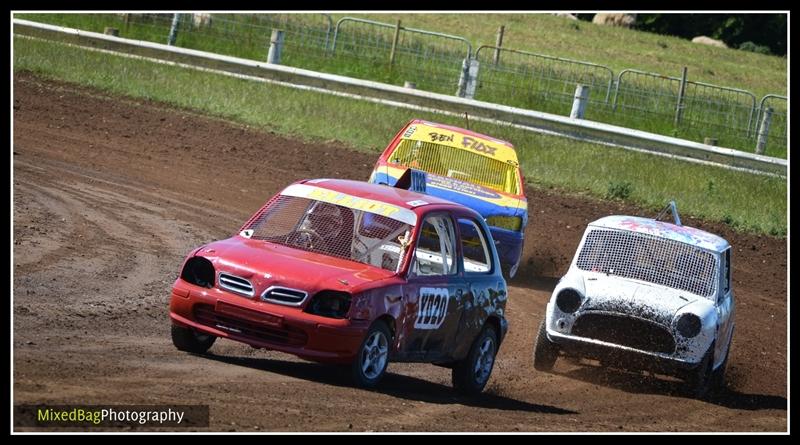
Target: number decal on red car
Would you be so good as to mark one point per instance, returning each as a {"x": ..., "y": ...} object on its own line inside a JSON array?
[{"x": 432, "y": 308}]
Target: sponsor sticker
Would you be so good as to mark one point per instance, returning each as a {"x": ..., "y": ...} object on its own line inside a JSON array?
[
  {"x": 432, "y": 307},
  {"x": 350, "y": 201},
  {"x": 464, "y": 187},
  {"x": 477, "y": 145}
]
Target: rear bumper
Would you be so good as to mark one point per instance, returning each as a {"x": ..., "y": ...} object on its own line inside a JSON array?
[
  {"x": 266, "y": 325},
  {"x": 620, "y": 356}
]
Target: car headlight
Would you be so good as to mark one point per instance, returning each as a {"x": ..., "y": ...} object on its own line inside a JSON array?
[
  {"x": 568, "y": 300},
  {"x": 329, "y": 303},
  {"x": 689, "y": 325},
  {"x": 198, "y": 271},
  {"x": 505, "y": 222}
]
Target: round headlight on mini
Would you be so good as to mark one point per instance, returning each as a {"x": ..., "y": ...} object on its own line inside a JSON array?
[
  {"x": 568, "y": 300},
  {"x": 689, "y": 325}
]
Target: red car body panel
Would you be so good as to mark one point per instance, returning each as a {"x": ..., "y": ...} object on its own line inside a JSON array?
[{"x": 377, "y": 293}]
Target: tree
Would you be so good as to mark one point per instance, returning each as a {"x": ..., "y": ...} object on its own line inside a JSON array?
[{"x": 734, "y": 29}]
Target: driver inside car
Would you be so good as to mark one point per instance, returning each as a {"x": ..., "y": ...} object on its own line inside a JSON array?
[{"x": 326, "y": 228}]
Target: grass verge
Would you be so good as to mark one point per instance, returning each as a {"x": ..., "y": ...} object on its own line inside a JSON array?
[
  {"x": 434, "y": 64},
  {"x": 744, "y": 201}
]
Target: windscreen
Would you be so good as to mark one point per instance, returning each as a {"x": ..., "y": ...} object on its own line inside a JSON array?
[{"x": 333, "y": 230}]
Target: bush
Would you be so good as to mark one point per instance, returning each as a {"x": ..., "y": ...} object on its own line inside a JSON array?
[
  {"x": 619, "y": 190},
  {"x": 755, "y": 48}
]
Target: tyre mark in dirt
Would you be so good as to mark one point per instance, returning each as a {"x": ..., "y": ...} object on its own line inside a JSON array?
[
  {"x": 113, "y": 256},
  {"x": 189, "y": 206},
  {"x": 36, "y": 228}
]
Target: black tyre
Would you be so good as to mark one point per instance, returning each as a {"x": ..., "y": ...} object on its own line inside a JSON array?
[
  {"x": 718, "y": 375},
  {"x": 700, "y": 379},
  {"x": 471, "y": 374},
  {"x": 372, "y": 359},
  {"x": 545, "y": 352},
  {"x": 509, "y": 271},
  {"x": 189, "y": 340}
]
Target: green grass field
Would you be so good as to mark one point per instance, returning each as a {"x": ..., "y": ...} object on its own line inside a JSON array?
[
  {"x": 746, "y": 202},
  {"x": 434, "y": 64},
  {"x": 616, "y": 48}
]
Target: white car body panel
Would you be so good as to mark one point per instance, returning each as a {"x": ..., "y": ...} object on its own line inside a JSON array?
[{"x": 608, "y": 294}]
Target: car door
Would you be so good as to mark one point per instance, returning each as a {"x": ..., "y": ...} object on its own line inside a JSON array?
[
  {"x": 484, "y": 288},
  {"x": 434, "y": 292},
  {"x": 725, "y": 308}
]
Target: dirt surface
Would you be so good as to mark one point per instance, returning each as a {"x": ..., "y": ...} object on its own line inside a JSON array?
[{"x": 110, "y": 194}]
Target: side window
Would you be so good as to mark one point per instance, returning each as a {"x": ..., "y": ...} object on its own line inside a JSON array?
[
  {"x": 477, "y": 258},
  {"x": 435, "y": 252}
]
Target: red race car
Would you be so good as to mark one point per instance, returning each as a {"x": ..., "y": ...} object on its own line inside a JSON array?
[{"x": 348, "y": 272}]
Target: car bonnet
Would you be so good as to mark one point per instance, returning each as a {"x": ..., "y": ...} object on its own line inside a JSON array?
[{"x": 635, "y": 298}]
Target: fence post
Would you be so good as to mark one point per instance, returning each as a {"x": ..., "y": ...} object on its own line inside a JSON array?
[
  {"x": 275, "y": 47},
  {"x": 173, "y": 30},
  {"x": 579, "y": 103},
  {"x": 468, "y": 82},
  {"x": 763, "y": 131},
  {"x": 681, "y": 93},
  {"x": 498, "y": 43},
  {"x": 394, "y": 43},
  {"x": 328, "y": 31}
]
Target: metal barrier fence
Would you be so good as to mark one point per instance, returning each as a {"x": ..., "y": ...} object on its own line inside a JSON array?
[
  {"x": 432, "y": 61},
  {"x": 444, "y": 63},
  {"x": 701, "y": 110},
  {"x": 536, "y": 81},
  {"x": 776, "y": 136},
  {"x": 243, "y": 35},
  {"x": 307, "y": 36}
]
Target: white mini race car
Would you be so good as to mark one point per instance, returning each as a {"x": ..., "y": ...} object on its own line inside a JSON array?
[{"x": 645, "y": 294}]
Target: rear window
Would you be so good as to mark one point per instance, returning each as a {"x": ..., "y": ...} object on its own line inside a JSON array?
[{"x": 455, "y": 163}]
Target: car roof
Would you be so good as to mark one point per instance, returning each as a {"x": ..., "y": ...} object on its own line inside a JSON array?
[
  {"x": 662, "y": 229},
  {"x": 402, "y": 198},
  {"x": 461, "y": 130}
]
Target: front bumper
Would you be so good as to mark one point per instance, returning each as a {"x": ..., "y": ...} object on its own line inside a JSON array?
[
  {"x": 621, "y": 356},
  {"x": 266, "y": 325}
]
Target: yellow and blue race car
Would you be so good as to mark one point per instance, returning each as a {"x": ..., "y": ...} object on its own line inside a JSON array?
[{"x": 472, "y": 169}]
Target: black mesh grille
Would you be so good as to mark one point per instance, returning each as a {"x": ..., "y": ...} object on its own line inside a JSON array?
[
  {"x": 625, "y": 331},
  {"x": 205, "y": 314}
]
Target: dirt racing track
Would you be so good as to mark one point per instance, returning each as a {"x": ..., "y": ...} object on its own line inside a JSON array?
[{"x": 110, "y": 194}]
